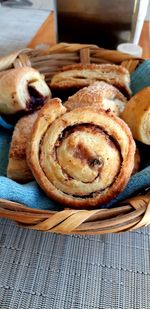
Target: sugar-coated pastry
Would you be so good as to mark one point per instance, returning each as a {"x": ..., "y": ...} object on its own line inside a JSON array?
[
  {"x": 98, "y": 95},
  {"x": 77, "y": 76},
  {"x": 18, "y": 168},
  {"x": 82, "y": 158},
  {"x": 22, "y": 89},
  {"x": 137, "y": 115}
]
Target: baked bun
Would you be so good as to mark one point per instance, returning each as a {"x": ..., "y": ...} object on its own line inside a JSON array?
[
  {"x": 18, "y": 168},
  {"x": 137, "y": 115},
  {"x": 82, "y": 158},
  {"x": 98, "y": 95},
  {"x": 22, "y": 89},
  {"x": 77, "y": 76}
]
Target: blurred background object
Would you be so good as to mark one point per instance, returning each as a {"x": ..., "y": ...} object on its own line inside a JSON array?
[
  {"x": 35, "y": 4},
  {"x": 101, "y": 22},
  {"x": 15, "y": 3},
  {"x": 140, "y": 10},
  {"x": 37, "y": 24}
]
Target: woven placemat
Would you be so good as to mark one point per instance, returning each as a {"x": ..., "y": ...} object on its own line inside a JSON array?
[{"x": 48, "y": 271}]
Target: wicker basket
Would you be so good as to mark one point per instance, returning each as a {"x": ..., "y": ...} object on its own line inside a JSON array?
[{"x": 131, "y": 214}]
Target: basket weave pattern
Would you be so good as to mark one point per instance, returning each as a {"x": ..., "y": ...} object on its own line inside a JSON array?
[
  {"x": 131, "y": 214},
  {"x": 49, "y": 61},
  {"x": 134, "y": 213}
]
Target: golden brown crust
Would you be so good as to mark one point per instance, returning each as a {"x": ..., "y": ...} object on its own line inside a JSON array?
[
  {"x": 77, "y": 76},
  {"x": 106, "y": 67},
  {"x": 80, "y": 158},
  {"x": 22, "y": 89},
  {"x": 98, "y": 95},
  {"x": 18, "y": 168},
  {"x": 137, "y": 115},
  {"x": 137, "y": 162}
]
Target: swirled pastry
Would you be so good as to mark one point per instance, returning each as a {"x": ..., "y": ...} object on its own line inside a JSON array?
[
  {"x": 137, "y": 115},
  {"x": 22, "y": 89},
  {"x": 82, "y": 158},
  {"x": 18, "y": 168},
  {"x": 98, "y": 95},
  {"x": 77, "y": 76}
]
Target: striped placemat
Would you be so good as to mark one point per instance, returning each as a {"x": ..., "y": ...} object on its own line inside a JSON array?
[{"x": 48, "y": 271}]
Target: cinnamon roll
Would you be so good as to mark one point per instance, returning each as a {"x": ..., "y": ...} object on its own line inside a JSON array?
[
  {"x": 98, "y": 95},
  {"x": 82, "y": 158},
  {"x": 137, "y": 115},
  {"x": 22, "y": 89},
  {"x": 18, "y": 168},
  {"x": 76, "y": 76}
]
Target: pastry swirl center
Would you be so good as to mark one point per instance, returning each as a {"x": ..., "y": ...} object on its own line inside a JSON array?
[
  {"x": 78, "y": 158},
  {"x": 84, "y": 160}
]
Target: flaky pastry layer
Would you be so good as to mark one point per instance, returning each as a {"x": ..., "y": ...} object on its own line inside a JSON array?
[
  {"x": 18, "y": 168},
  {"x": 137, "y": 115},
  {"x": 22, "y": 89},
  {"x": 80, "y": 75},
  {"x": 82, "y": 158},
  {"x": 98, "y": 95}
]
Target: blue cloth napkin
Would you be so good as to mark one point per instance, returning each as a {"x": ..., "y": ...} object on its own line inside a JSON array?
[
  {"x": 141, "y": 77},
  {"x": 31, "y": 195}
]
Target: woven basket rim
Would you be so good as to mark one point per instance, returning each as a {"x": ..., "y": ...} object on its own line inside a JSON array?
[
  {"x": 131, "y": 214},
  {"x": 40, "y": 58}
]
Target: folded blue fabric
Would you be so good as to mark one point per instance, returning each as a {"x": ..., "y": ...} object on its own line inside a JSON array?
[
  {"x": 4, "y": 124},
  {"x": 141, "y": 77},
  {"x": 31, "y": 195}
]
